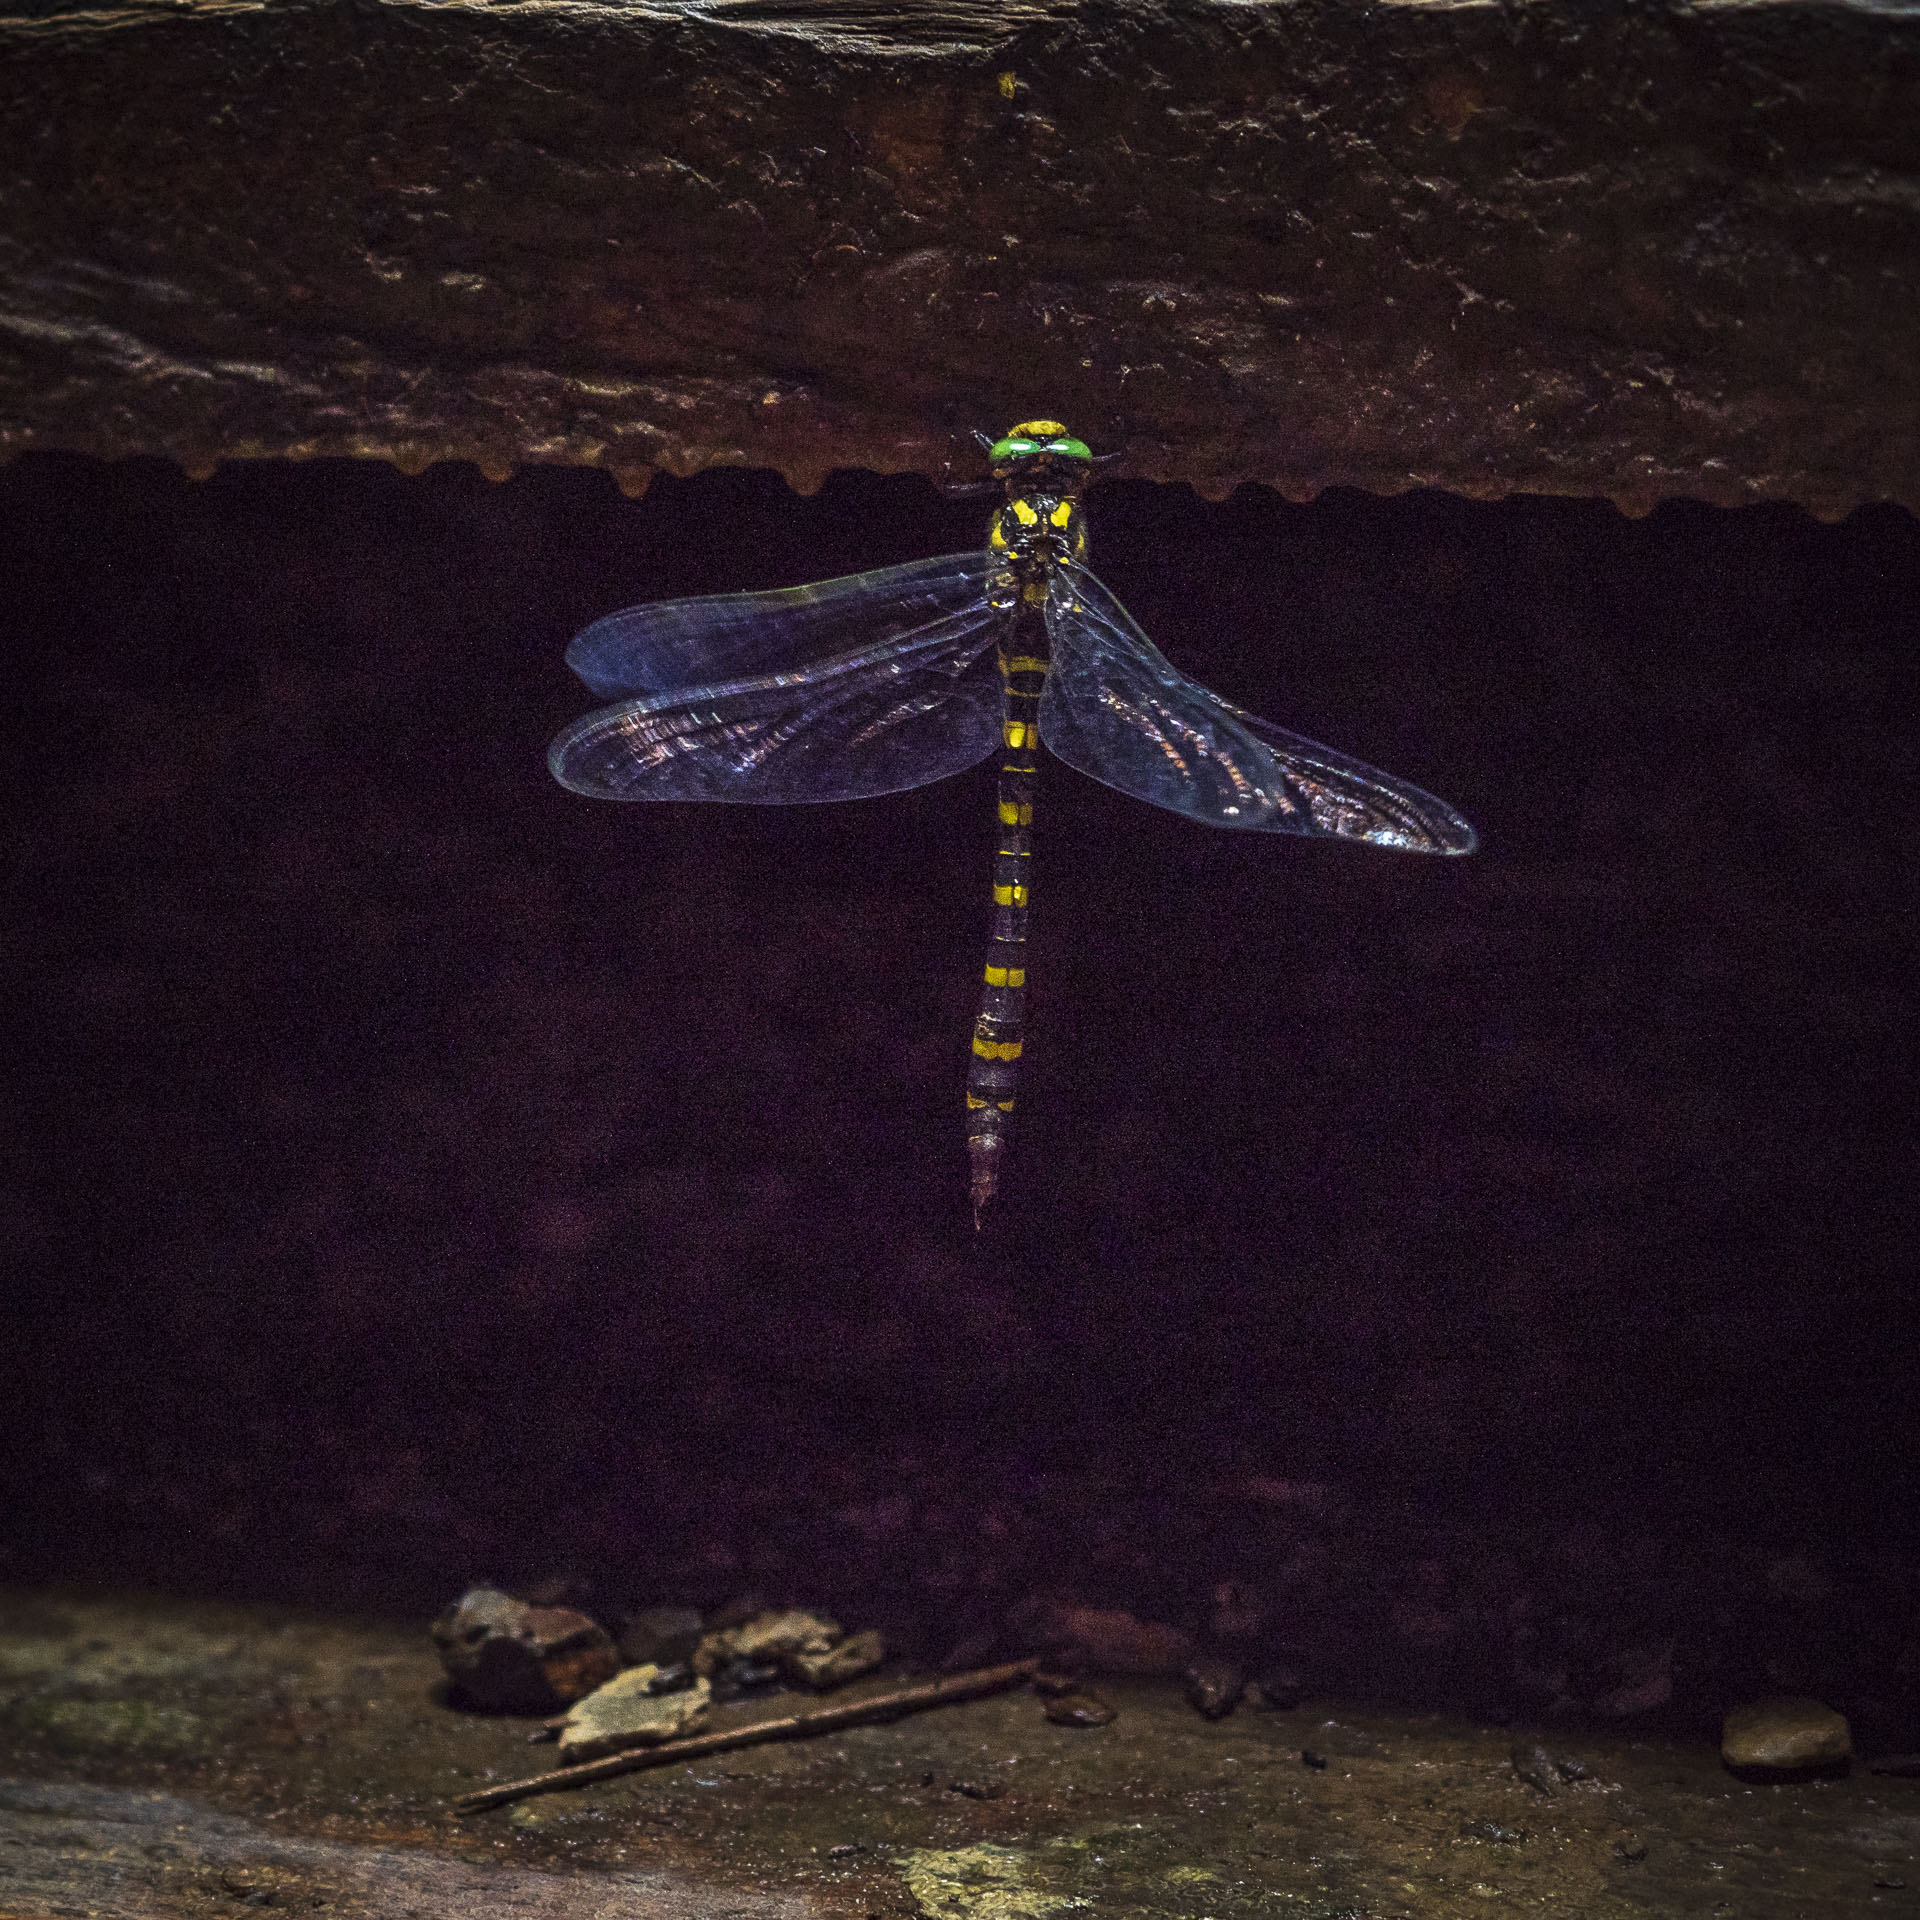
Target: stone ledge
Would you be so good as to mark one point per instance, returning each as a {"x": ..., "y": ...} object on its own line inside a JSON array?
[{"x": 1486, "y": 248}]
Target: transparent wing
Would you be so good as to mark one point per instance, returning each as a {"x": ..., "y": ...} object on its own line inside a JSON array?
[
  {"x": 910, "y": 707},
  {"x": 740, "y": 636},
  {"x": 1115, "y": 708}
]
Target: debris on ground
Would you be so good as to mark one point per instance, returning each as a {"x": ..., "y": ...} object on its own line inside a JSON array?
[
  {"x": 889, "y": 1704},
  {"x": 633, "y": 1710},
  {"x": 772, "y": 1639},
  {"x": 505, "y": 1656}
]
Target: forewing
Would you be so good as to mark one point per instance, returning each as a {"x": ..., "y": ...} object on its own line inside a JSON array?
[
  {"x": 878, "y": 719},
  {"x": 1115, "y": 708},
  {"x": 720, "y": 637}
]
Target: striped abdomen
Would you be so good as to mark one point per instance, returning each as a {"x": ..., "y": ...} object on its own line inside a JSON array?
[{"x": 1000, "y": 1026}]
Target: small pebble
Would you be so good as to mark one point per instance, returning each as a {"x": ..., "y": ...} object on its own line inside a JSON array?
[
  {"x": 1050, "y": 1683},
  {"x": 1078, "y": 1709},
  {"x": 1568, "y": 1768},
  {"x": 1317, "y": 1761},
  {"x": 1897, "y": 1766},
  {"x": 973, "y": 1790},
  {"x": 845, "y": 1850},
  {"x": 1534, "y": 1765},
  {"x": 1214, "y": 1686},
  {"x": 1631, "y": 1848}
]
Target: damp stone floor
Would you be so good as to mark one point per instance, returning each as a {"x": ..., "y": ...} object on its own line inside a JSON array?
[{"x": 169, "y": 1758}]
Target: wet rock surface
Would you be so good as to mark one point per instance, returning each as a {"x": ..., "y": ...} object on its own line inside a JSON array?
[
  {"x": 1637, "y": 252},
  {"x": 321, "y": 1766}
]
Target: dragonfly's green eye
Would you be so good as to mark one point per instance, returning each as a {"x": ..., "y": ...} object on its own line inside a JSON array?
[{"x": 1019, "y": 447}]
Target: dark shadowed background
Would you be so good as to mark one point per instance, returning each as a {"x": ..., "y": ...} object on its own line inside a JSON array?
[{"x": 418, "y": 1172}]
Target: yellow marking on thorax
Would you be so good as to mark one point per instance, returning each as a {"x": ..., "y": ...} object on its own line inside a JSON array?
[
  {"x": 1062, "y": 513},
  {"x": 1025, "y": 514},
  {"x": 1009, "y": 85},
  {"x": 1037, "y": 430},
  {"x": 997, "y": 1049}
]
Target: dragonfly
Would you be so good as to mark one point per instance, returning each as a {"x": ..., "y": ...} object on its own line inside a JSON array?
[{"x": 888, "y": 680}]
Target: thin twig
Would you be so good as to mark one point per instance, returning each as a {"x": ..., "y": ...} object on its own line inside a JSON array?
[{"x": 851, "y": 1713}]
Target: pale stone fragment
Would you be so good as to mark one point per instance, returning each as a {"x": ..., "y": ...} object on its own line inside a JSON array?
[
  {"x": 625, "y": 1714},
  {"x": 779, "y": 1635}
]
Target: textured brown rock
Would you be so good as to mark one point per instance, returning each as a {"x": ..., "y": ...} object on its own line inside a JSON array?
[
  {"x": 1648, "y": 251},
  {"x": 508, "y": 1657}
]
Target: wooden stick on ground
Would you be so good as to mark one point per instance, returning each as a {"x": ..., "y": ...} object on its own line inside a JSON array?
[{"x": 851, "y": 1713}]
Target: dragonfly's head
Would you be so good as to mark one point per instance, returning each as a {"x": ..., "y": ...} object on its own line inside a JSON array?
[{"x": 1039, "y": 454}]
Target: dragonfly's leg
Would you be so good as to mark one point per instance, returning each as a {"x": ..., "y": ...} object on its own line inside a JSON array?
[{"x": 1000, "y": 1026}]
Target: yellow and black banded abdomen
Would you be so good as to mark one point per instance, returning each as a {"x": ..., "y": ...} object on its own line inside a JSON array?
[{"x": 999, "y": 1028}]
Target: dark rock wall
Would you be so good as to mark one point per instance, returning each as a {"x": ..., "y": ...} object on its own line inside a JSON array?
[
  {"x": 1634, "y": 251},
  {"x": 418, "y": 1171}
]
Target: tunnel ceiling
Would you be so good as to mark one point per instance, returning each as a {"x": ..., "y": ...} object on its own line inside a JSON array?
[{"x": 1639, "y": 251}]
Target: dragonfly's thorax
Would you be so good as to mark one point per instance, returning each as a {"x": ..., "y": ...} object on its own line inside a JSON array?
[{"x": 1032, "y": 534}]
